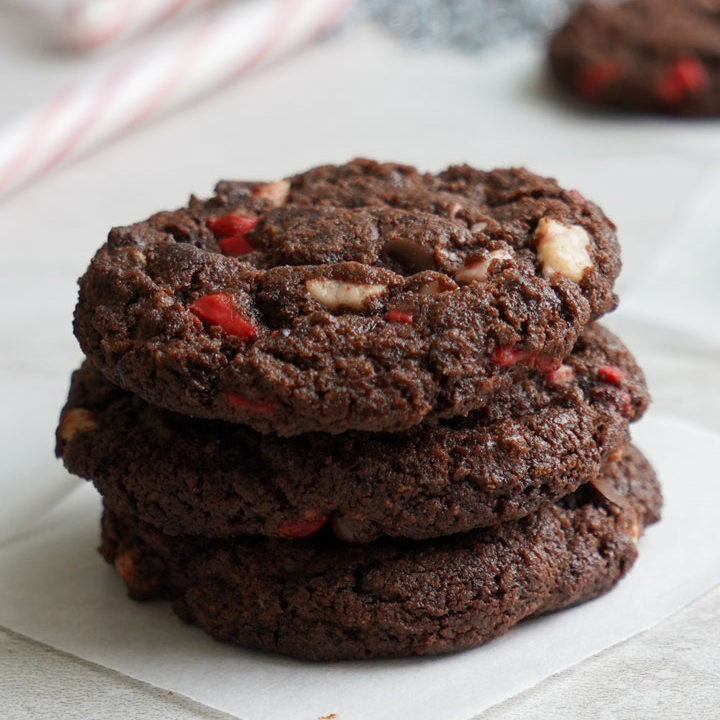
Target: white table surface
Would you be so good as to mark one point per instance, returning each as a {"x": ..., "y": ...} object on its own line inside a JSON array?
[{"x": 363, "y": 94}]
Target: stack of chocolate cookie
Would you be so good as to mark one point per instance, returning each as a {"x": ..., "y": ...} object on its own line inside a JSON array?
[{"x": 361, "y": 412}]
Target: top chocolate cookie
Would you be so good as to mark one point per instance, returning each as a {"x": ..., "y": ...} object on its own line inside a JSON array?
[
  {"x": 364, "y": 296},
  {"x": 660, "y": 56}
]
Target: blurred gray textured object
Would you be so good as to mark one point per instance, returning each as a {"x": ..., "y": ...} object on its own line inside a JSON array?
[{"x": 466, "y": 24}]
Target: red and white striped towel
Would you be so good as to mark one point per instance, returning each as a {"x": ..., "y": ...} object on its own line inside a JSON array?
[{"x": 216, "y": 48}]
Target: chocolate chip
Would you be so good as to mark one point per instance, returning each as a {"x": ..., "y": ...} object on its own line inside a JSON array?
[
  {"x": 350, "y": 529},
  {"x": 413, "y": 257},
  {"x": 605, "y": 488}
]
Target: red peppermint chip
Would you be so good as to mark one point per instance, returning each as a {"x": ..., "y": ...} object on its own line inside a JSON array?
[
  {"x": 610, "y": 374},
  {"x": 507, "y": 355},
  {"x": 625, "y": 404},
  {"x": 399, "y": 316},
  {"x": 236, "y": 245},
  {"x": 125, "y": 563},
  {"x": 545, "y": 363},
  {"x": 227, "y": 225},
  {"x": 686, "y": 76},
  {"x": 220, "y": 309},
  {"x": 260, "y": 407},
  {"x": 303, "y": 528},
  {"x": 595, "y": 78}
]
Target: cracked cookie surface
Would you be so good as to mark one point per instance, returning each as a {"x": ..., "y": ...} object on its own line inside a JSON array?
[{"x": 365, "y": 296}]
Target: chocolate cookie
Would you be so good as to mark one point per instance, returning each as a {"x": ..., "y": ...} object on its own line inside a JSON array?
[
  {"x": 659, "y": 56},
  {"x": 536, "y": 442},
  {"x": 365, "y": 296},
  {"x": 318, "y": 599}
]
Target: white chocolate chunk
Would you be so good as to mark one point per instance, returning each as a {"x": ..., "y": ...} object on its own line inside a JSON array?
[
  {"x": 562, "y": 249},
  {"x": 478, "y": 269},
  {"x": 564, "y": 375},
  {"x": 76, "y": 421},
  {"x": 335, "y": 293},
  {"x": 276, "y": 192}
]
